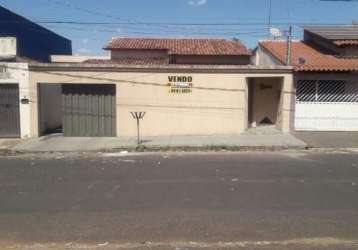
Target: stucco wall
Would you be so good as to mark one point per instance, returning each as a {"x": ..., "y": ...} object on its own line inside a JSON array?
[
  {"x": 217, "y": 104},
  {"x": 17, "y": 73},
  {"x": 264, "y": 58}
]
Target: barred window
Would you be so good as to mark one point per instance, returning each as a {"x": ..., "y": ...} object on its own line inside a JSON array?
[
  {"x": 331, "y": 91},
  {"x": 306, "y": 91},
  {"x": 326, "y": 91}
]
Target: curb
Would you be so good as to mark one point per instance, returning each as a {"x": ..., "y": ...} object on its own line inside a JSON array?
[{"x": 218, "y": 148}]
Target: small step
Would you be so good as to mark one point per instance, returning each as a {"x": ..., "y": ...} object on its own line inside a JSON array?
[{"x": 263, "y": 130}]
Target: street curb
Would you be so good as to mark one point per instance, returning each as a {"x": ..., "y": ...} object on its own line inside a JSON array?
[
  {"x": 209, "y": 148},
  {"x": 8, "y": 152},
  {"x": 169, "y": 149}
]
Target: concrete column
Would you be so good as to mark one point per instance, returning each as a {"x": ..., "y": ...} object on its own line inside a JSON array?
[{"x": 288, "y": 104}]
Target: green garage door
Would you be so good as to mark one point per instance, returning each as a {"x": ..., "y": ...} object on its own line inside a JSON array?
[
  {"x": 89, "y": 110},
  {"x": 9, "y": 111}
]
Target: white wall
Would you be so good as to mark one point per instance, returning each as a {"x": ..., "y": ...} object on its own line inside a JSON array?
[
  {"x": 8, "y": 48},
  {"x": 264, "y": 58}
]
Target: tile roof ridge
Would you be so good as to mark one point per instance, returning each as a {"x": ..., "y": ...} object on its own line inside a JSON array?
[{"x": 176, "y": 38}]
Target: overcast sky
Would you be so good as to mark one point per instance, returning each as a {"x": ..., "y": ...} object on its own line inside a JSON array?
[{"x": 243, "y": 19}]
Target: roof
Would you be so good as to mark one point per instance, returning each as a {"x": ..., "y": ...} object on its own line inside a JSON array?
[
  {"x": 182, "y": 46},
  {"x": 130, "y": 61},
  {"x": 342, "y": 35},
  {"x": 312, "y": 60}
]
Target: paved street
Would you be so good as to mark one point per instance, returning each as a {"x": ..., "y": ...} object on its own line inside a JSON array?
[{"x": 292, "y": 200}]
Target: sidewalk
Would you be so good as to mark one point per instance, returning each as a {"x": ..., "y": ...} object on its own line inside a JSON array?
[
  {"x": 334, "y": 140},
  {"x": 7, "y": 144},
  {"x": 58, "y": 143}
]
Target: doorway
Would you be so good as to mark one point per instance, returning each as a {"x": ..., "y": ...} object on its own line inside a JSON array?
[
  {"x": 50, "y": 108},
  {"x": 264, "y": 101},
  {"x": 9, "y": 111}
]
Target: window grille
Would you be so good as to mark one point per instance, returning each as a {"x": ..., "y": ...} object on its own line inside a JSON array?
[{"x": 330, "y": 91}]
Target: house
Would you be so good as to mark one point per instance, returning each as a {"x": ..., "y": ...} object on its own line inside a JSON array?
[
  {"x": 22, "y": 42},
  {"x": 325, "y": 66},
  {"x": 185, "y": 86},
  {"x": 177, "y": 51}
]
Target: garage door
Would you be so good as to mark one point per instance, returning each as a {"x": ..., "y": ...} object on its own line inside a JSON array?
[
  {"x": 326, "y": 105},
  {"x": 89, "y": 110},
  {"x": 9, "y": 111}
]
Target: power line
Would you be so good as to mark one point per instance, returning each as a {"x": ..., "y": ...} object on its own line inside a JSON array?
[
  {"x": 269, "y": 18},
  {"x": 152, "y": 32},
  {"x": 175, "y": 24}
]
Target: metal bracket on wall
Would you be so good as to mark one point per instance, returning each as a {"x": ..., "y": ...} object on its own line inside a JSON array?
[{"x": 138, "y": 116}]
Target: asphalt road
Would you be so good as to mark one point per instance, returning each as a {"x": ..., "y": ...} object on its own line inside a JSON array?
[{"x": 256, "y": 200}]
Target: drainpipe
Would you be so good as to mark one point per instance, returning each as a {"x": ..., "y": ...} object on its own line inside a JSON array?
[{"x": 289, "y": 47}]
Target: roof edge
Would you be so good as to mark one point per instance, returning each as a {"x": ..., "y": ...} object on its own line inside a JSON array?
[{"x": 173, "y": 67}]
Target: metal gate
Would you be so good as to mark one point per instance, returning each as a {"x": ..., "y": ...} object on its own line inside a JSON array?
[
  {"x": 326, "y": 105},
  {"x": 9, "y": 111},
  {"x": 89, "y": 110}
]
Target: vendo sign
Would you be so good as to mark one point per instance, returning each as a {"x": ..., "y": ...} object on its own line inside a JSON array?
[{"x": 180, "y": 84}]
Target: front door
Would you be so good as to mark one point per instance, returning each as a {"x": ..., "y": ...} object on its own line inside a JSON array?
[{"x": 9, "y": 111}]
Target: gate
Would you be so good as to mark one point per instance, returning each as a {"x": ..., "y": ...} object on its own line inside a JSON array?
[
  {"x": 326, "y": 105},
  {"x": 9, "y": 111},
  {"x": 89, "y": 110}
]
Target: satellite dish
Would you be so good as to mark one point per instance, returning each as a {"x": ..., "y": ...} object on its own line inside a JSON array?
[{"x": 275, "y": 32}]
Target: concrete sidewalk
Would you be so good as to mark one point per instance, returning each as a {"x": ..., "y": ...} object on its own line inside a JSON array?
[
  {"x": 6, "y": 144},
  {"x": 321, "y": 139},
  {"x": 58, "y": 143}
]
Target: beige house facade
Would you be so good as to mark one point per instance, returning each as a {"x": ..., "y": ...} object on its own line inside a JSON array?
[{"x": 177, "y": 99}]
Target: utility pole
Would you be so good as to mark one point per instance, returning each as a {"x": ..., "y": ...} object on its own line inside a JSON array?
[
  {"x": 289, "y": 47},
  {"x": 269, "y": 19}
]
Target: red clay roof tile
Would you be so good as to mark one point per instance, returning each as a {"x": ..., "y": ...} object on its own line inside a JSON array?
[
  {"x": 182, "y": 46},
  {"x": 307, "y": 58}
]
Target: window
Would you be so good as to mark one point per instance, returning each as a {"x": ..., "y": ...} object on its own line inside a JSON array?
[
  {"x": 326, "y": 91},
  {"x": 331, "y": 91},
  {"x": 306, "y": 91}
]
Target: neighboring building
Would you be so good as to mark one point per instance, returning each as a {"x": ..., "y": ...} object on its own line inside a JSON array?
[
  {"x": 33, "y": 41},
  {"x": 326, "y": 76},
  {"x": 177, "y": 51},
  {"x": 22, "y": 42},
  {"x": 185, "y": 86}
]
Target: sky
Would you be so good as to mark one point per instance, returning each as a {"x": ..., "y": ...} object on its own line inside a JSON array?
[{"x": 97, "y": 21}]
